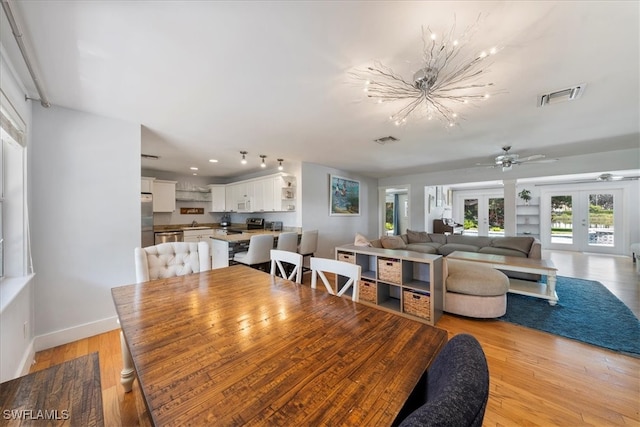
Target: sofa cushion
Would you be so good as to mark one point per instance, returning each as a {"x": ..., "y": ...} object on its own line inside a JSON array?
[
  {"x": 422, "y": 248},
  {"x": 392, "y": 242},
  {"x": 438, "y": 238},
  {"x": 501, "y": 251},
  {"x": 452, "y": 247},
  {"x": 479, "y": 241},
  {"x": 522, "y": 244},
  {"x": 417, "y": 236}
]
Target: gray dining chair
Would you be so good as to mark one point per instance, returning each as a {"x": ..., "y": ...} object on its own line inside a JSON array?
[
  {"x": 456, "y": 390},
  {"x": 259, "y": 252}
]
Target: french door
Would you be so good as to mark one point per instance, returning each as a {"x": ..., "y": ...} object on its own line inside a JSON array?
[
  {"x": 582, "y": 220},
  {"x": 483, "y": 215}
]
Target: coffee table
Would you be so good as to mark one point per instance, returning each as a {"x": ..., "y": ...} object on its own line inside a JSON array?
[{"x": 525, "y": 265}]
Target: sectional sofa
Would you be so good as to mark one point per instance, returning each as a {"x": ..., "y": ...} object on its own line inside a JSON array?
[{"x": 421, "y": 241}]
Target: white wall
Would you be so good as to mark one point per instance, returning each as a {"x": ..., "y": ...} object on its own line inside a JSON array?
[
  {"x": 85, "y": 216},
  {"x": 336, "y": 230},
  {"x": 16, "y": 296}
]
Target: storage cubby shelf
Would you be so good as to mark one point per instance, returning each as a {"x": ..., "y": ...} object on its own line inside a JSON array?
[{"x": 393, "y": 275}]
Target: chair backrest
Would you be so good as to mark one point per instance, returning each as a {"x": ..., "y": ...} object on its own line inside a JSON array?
[
  {"x": 171, "y": 259},
  {"x": 259, "y": 252},
  {"x": 293, "y": 258},
  {"x": 319, "y": 266},
  {"x": 457, "y": 388},
  {"x": 288, "y": 241},
  {"x": 308, "y": 242}
]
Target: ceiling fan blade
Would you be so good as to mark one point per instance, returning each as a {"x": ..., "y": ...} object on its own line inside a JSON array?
[
  {"x": 543, "y": 161},
  {"x": 534, "y": 157}
]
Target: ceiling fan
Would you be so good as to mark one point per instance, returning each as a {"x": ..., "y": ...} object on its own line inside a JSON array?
[{"x": 506, "y": 160}]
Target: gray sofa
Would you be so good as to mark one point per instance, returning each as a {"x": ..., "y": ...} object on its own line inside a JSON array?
[{"x": 421, "y": 241}]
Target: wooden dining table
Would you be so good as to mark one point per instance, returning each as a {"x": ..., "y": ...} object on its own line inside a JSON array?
[{"x": 237, "y": 346}]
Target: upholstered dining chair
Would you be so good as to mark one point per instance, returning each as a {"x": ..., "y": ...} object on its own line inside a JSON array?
[
  {"x": 352, "y": 272},
  {"x": 259, "y": 252},
  {"x": 308, "y": 246},
  {"x": 294, "y": 259},
  {"x": 171, "y": 259},
  {"x": 456, "y": 390},
  {"x": 288, "y": 241},
  {"x": 159, "y": 262}
]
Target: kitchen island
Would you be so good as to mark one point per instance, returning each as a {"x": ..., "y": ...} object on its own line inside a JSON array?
[{"x": 225, "y": 245}]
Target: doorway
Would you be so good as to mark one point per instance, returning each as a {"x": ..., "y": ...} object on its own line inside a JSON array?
[
  {"x": 395, "y": 211},
  {"x": 582, "y": 220},
  {"x": 483, "y": 214}
]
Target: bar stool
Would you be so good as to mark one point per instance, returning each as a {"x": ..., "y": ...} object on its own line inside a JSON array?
[
  {"x": 308, "y": 246},
  {"x": 288, "y": 241},
  {"x": 259, "y": 253}
]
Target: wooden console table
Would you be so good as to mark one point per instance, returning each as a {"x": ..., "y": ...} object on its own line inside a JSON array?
[{"x": 68, "y": 393}]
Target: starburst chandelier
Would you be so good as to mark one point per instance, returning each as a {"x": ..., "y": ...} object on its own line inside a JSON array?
[{"x": 444, "y": 81}]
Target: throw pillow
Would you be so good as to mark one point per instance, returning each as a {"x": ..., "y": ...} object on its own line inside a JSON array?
[
  {"x": 361, "y": 241},
  {"x": 392, "y": 242},
  {"x": 418, "y": 236}
]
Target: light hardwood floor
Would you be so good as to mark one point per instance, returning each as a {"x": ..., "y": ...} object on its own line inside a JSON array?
[{"x": 537, "y": 379}]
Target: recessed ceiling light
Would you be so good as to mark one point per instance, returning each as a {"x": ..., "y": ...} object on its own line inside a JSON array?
[
  {"x": 213, "y": 160},
  {"x": 193, "y": 168}
]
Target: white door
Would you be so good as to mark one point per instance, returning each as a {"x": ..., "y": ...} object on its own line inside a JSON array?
[
  {"x": 482, "y": 215},
  {"x": 582, "y": 220}
]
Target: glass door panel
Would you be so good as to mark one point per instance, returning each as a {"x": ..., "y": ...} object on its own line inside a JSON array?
[
  {"x": 470, "y": 216},
  {"x": 583, "y": 221},
  {"x": 483, "y": 216},
  {"x": 496, "y": 216}
]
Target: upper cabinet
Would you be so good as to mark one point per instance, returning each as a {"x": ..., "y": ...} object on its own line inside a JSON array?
[
  {"x": 164, "y": 196},
  {"x": 146, "y": 185},
  {"x": 271, "y": 193},
  {"x": 218, "y": 198}
]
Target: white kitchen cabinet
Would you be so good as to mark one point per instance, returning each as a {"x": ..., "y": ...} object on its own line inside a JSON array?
[
  {"x": 218, "y": 198},
  {"x": 164, "y": 196},
  {"x": 146, "y": 185}
]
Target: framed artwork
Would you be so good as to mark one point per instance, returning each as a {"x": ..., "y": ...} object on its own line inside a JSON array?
[{"x": 344, "y": 196}]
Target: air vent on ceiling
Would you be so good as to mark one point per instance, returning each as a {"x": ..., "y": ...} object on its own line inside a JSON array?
[
  {"x": 563, "y": 95},
  {"x": 386, "y": 140},
  {"x": 149, "y": 156}
]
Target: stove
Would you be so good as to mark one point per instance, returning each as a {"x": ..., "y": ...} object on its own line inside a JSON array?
[{"x": 255, "y": 223}]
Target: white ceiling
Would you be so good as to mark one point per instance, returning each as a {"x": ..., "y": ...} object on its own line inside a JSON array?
[{"x": 207, "y": 79}]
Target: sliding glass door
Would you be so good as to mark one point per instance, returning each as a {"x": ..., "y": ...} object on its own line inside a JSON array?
[{"x": 584, "y": 220}]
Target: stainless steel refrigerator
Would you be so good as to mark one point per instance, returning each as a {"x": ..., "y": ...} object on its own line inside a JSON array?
[{"x": 146, "y": 211}]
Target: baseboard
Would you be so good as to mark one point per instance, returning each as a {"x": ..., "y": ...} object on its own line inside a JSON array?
[
  {"x": 27, "y": 360},
  {"x": 65, "y": 336}
]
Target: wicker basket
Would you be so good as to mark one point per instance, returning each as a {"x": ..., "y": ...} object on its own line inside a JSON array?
[
  {"x": 347, "y": 257},
  {"x": 368, "y": 291},
  {"x": 416, "y": 303},
  {"x": 389, "y": 270}
]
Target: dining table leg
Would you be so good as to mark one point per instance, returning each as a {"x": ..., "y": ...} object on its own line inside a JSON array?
[{"x": 127, "y": 374}]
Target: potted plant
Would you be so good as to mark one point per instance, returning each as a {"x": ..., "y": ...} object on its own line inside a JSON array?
[{"x": 525, "y": 195}]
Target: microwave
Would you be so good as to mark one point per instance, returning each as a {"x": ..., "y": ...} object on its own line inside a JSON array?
[{"x": 244, "y": 206}]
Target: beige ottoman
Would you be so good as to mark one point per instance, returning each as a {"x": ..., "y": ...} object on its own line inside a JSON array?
[{"x": 474, "y": 290}]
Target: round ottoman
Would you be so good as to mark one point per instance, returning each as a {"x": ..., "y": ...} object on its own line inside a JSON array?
[{"x": 475, "y": 290}]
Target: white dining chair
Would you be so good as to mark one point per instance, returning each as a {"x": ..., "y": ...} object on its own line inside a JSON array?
[
  {"x": 279, "y": 257},
  {"x": 259, "y": 252},
  {"x": 160, "y": 262},
  {"x": 352, "y": 272},
  {"x": 308, "y": 245},
  {"x": 171, "y": 259},
  {"x": 288, "y": 241}
]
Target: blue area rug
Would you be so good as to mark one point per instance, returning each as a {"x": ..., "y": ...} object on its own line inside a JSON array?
[{"x": 587, "y": 312}]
